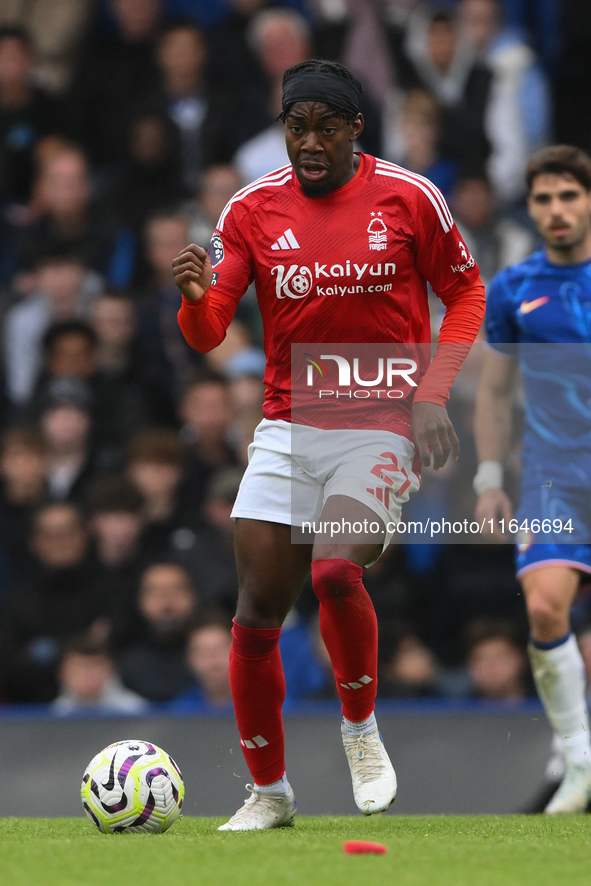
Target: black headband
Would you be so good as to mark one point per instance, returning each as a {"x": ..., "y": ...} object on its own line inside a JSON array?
[{"x": 312, "y": 86}]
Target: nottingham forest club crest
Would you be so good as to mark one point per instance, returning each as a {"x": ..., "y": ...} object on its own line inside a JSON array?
[{"x": 378, "y": 232}]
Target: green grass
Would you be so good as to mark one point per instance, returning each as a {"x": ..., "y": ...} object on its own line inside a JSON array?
[{"x": 422, "y": 851}]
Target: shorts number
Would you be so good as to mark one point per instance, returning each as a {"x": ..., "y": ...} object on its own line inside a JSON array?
[{"x": 378, "y": 471}]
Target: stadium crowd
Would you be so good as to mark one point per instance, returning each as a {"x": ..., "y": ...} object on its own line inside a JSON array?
[{"x": 125, "y": 127}]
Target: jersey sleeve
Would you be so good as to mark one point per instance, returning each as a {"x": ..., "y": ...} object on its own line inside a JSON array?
[
  {"x": 501, "y": 327},
  {"x": 230, "y": 256},
  {"x": 204, "y": 323},
  {"x": 442, "y": 257}
]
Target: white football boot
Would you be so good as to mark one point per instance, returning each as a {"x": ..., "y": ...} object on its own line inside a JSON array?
[
  {"x": 372, "y": 774},
  {"x": 263, "y": 811},
  {"x": 574, "y": 792}
]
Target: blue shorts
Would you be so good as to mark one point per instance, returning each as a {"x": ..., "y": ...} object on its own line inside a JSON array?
[
  {"x": 533, "y": 556},
  {"x": 555, "y": 504}
]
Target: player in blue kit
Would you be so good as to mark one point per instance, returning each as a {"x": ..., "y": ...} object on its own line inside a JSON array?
[{"x": 533, "y": 310}]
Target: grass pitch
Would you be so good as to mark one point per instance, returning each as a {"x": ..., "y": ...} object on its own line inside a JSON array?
[{"x": 421, "y": 851}]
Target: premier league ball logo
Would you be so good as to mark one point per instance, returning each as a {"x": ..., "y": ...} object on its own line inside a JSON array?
[{"x": 216, "y": 250}]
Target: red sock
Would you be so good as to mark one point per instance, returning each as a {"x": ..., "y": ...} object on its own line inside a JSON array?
[
  {"x": 349, "y": 628},
  {"x": 258, "y": 692}
]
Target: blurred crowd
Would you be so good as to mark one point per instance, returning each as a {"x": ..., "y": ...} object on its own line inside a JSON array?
[{"x": 125, "y": 127}]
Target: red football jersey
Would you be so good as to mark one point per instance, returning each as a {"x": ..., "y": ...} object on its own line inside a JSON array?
[{"x": 351, "y": 266}]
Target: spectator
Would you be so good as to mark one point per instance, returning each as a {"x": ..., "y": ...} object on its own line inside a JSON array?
[
  {"x": 116, "y": 523},
  {"x": 54, "y": 601},
  {"x": 182, "y": 56},
  {"x": 115, "y": 74},
  {"x": 243, "y": 429},
  {"x": 88, "y": 681},
  {"x": 63, "y": 289},
  {"x": 437, "y": 57},
  {"x": 493, "y": 239},
  {"x": 27, "y": 113},
  {"x": 236, "y": 354},
  {"x": 155, "y": 664},
  {"x": 55, "y": 30},
  {"x": 161, "y": 339},
  {"x": 118, "y": 410},
  {"x": 218, "y": 185},
  {"x": 67, "y": 218},
  {"x": 206, "y": 412},
  {"x": 65, "y": 419},
  {"x": 572, "y": 76},
  {"x": 113, "y": 322},
  {"x": 408, "y": 668},
  {"x": 208, "y": 657},
  {"x": 155, "y": 467},
  {"x": 247, "y": 392},
  {"x": 150, "y": 175},
  {"x": 496, "y": 661},
  {"x": 207, "y": 551},
  {"x": 279, "y": 38},
  {"x": 466, "y": 583},
  {"x": 231, "y": 62},
  {"x": 124, "y": 367},
  {"x": 518, "y": 110},
  {"x": 23, "y": 466},
  {"x": 413, "y": 140}
]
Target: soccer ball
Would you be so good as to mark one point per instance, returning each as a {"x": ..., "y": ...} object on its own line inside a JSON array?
[
  {"x": 132, "y": 786},
  {"x": 300, "y": 283}
]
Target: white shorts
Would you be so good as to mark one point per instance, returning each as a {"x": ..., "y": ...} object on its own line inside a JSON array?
[{"x": 293, "y": 469}]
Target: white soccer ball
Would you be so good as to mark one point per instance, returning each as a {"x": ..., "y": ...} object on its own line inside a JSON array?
[{"x": 132, "y": 786}]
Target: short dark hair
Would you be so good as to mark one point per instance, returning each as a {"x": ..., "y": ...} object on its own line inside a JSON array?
[
  {"x": 87, "y": 645},
  {"x": 205, "y": 377},
  {"x": 156, "y": 445},
  {"x": 55, "y": 254},
  {"x": 324, "y": 66},
  {"x": 115, "y": 494},
  {"x": 25, "y": 436},
  {"x": 482, "y": 629},
  {"x": 560, "y": 160},
  {"x": 68, "y": 327},
  {"x": 15, "y": 32},
  {"x": 179, "y": 24}
]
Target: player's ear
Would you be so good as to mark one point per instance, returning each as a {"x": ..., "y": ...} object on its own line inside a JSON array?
[{"x": 356, "y": 127}]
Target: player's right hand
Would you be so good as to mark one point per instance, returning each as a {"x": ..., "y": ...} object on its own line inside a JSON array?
[
  {"x": 494, "y": 504},
  {"x": 193, "y": 271}
]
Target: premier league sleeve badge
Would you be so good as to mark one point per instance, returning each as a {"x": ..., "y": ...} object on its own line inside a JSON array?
[{"x": 216, "y": 249}]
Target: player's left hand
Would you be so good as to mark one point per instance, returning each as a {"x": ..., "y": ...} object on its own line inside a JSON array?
[{"x": 434, "y": 434}]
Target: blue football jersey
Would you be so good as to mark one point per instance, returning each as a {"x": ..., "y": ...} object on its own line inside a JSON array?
[{"x": 541, "y": 312}]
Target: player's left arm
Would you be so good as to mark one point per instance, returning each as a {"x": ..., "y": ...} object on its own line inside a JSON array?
[{"x": 442, "y": 258}]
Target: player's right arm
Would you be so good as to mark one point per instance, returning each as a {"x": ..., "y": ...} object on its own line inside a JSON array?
[
  {"x": 213, "y": 282},
  {"x": 492, "y": 432}
]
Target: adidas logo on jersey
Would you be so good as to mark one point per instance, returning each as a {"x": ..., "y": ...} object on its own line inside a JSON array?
[{"x": 286, "y": 241}]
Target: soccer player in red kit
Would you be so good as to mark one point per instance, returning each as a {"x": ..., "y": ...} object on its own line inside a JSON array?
[{"x": 307, "y": 235}]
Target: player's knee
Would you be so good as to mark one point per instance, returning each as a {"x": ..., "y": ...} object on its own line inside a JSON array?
[
  {"x": 335, "y": 578},
  {"x": 546, "y": 616},
  {"x": 260, "y": 610}
]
